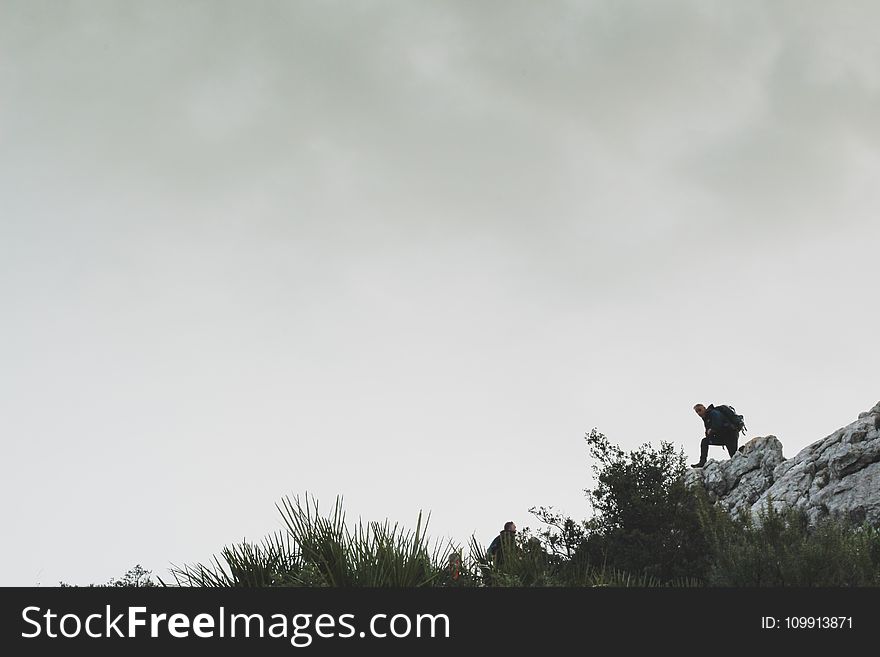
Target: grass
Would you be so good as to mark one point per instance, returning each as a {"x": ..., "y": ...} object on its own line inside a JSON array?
[{"x": 318, "y": 549}]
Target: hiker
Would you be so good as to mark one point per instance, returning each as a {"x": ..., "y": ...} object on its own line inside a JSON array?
[
  {"x": 503, "y": 544},
  {"x": 454, "y": 574},
  {"x": 453, "y": 568},
  {"x": 719, "y": 431}
]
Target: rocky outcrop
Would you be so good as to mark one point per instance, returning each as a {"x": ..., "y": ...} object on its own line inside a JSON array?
[{"x": 837, "y": 476}]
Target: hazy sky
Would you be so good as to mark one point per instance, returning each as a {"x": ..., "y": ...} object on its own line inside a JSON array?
[{"x": 410, "y": 253}]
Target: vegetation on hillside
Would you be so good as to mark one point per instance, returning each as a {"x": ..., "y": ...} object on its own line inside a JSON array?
[{"x": 647, "y": 528}]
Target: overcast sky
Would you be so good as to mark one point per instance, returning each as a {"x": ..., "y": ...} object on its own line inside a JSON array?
[{"x": 410, "y": 253}]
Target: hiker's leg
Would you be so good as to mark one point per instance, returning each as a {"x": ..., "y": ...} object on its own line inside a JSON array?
[
  {"x": 704, "y": 449},
  {"x": 732, "y": 443}
]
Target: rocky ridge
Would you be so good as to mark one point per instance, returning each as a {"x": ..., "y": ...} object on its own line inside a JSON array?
[{"x": 836, "y": 476}]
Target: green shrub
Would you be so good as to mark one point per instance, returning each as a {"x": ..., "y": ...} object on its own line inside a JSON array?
[
  {"x": 781, "y": 548},
  {"x": 645, "y": 519}
]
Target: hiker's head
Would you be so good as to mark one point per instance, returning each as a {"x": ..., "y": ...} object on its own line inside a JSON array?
[
  {"x": 509, "y": 526},
  {"x": 700, "y": 410}
]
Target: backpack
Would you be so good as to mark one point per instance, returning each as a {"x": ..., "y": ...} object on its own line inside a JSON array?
[{"x": 729, "y": 413}]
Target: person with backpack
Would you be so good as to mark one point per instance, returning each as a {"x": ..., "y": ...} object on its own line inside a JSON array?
[
  {"x": 503, "y": 544},
  {"x": 722, "y": 426}
]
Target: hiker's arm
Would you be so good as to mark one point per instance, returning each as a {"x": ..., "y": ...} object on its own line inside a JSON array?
[{"x": 716, "y": 422}]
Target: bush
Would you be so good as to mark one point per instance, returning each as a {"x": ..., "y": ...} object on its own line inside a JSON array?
[
  {"x": 781, "y": 548},
  {"x": 645, "y": 519},
  {"x": 136, "y": 577}
]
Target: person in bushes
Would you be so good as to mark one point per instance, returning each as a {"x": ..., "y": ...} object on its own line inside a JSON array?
[
  {"x": 455, "y": 574},
  {"x": 719, "y": 431},
  {"x": 503, "y": 544}
]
